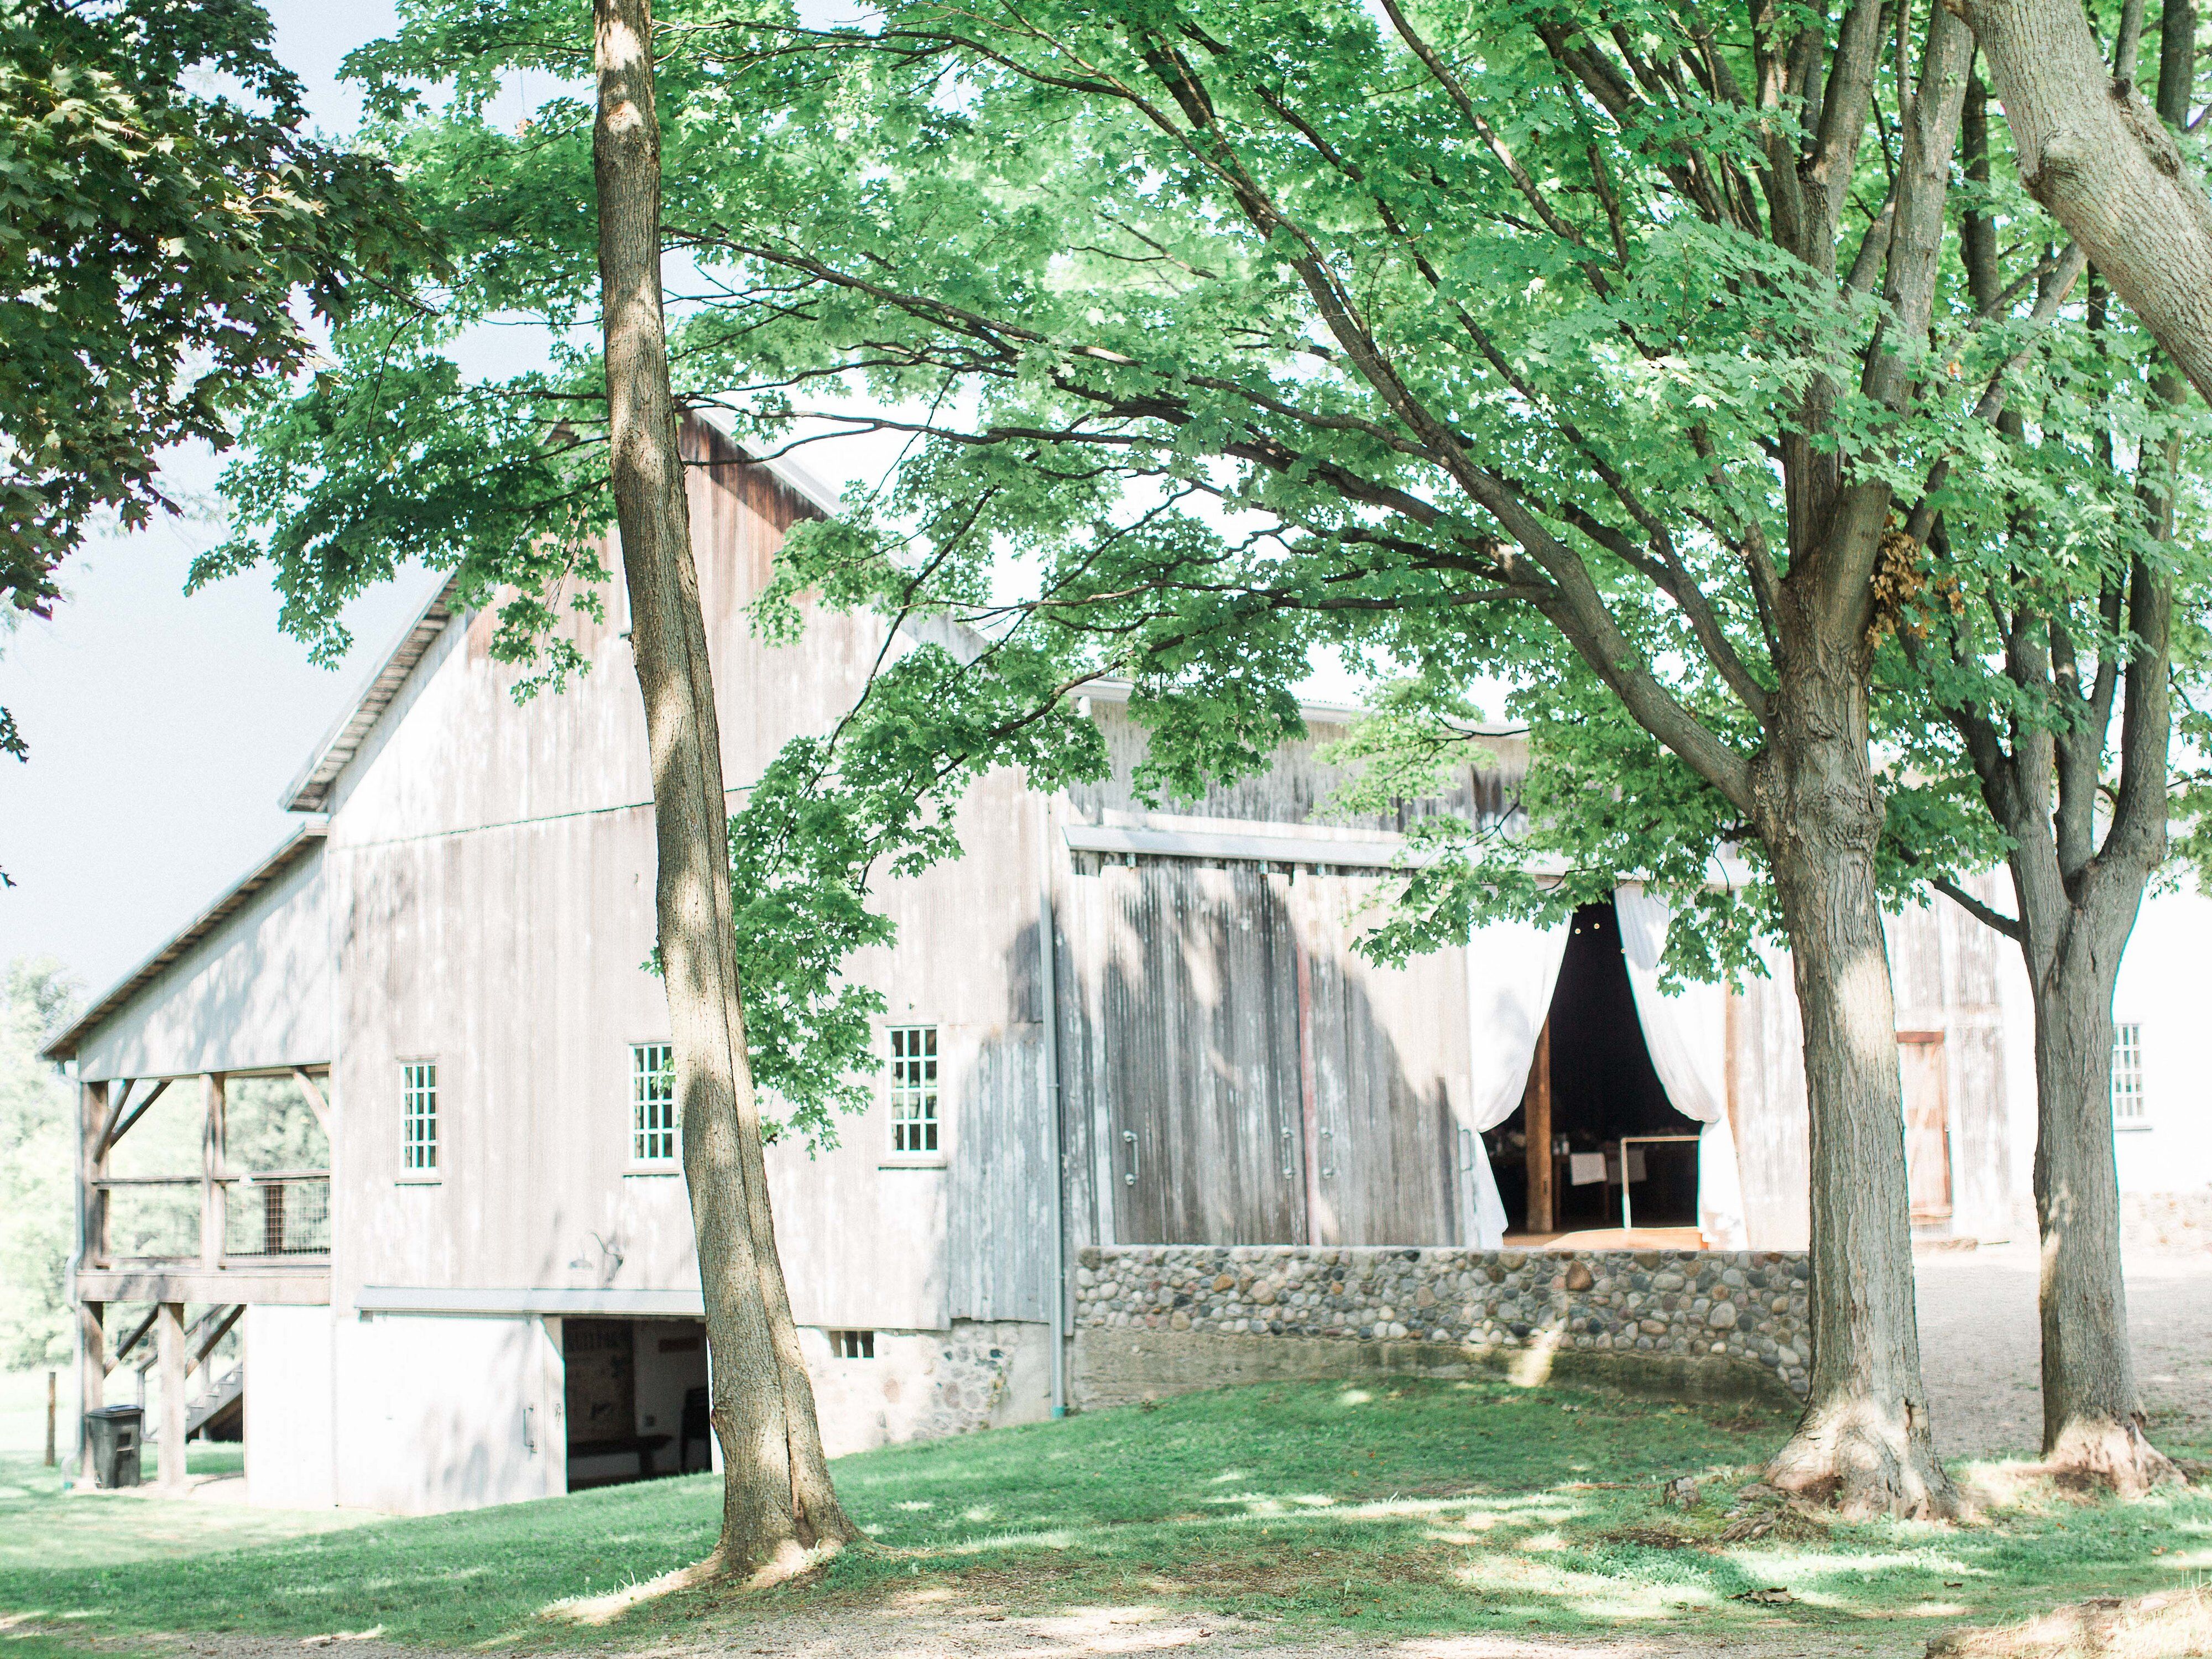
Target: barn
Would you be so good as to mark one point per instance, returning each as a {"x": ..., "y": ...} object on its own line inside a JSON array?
[{"x": 396, "y": 1108}]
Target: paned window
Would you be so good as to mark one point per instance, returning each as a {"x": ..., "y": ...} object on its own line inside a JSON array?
[
  {"x": 2127, "y": 1074},
  {"x": 853, "y": 1344},
  {"x": 914, "y": 1088},
  {"x": 418, "y": 1115},
  {"x": 652, "y": 1102}
]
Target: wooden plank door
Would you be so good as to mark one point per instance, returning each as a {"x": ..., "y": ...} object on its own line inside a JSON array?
[
  {"x": 1927, "y": 1125},
  {"x": 1200, "y": 1017},
  {"x": 1383, "y": 1047}
]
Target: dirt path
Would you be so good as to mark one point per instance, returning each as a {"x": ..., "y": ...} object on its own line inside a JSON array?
[
  {"x": 896, "y": 1632},
  {"x": 1981, "y": 1351}
]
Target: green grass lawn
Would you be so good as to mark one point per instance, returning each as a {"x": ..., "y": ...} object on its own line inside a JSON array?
[{"x": 1412, "y": 1506}]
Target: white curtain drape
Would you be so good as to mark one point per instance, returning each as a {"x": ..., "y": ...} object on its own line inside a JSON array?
[
  {"x": 1687, "y": 1036},
  {"x": 1512, "y": 968}
]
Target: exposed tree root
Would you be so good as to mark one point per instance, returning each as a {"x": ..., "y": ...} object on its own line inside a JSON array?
[
  {"x": 2103, "y": 1454},
  {"x": 2171, "y": 1624},
  {"x": 1860, "y": 1460}
]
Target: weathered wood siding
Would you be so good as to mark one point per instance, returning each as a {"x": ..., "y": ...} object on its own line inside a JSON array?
[
  {"x": 1943, "y": 968},
  {"x": 1201, "y": 1068},
  {"x": 998, "y": 1255},
  {"x": 1944, "y": 963},
  {"x": 495, "y": 881},
  {"x": 257, "y": 992},
  {"x": 1389, "y": 1055},
  {"x": 1187, "y": 1046},
  {"x": 1296, "y": 788}
]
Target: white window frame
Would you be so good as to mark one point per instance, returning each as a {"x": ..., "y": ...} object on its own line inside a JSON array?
[
  {"x": 419, "y": 1120},
  {"x": 916, "y": 1078},
  {"x": 2130, "y": 1099},
  {"x": 655, "y": 1147}
]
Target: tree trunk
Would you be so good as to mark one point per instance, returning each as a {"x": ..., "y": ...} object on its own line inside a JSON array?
[
  {"x": 1864, "y": 1442},
  {"x": 777, "y": 1504},
  {"x": 2094, "y": 152},
  {"x": 2092, "y": 1417}
]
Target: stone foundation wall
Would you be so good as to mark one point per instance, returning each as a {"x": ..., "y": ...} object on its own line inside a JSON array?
[
  {"x": 2162, "y": 1221},
  {"x": 924, "y": 1385},
  {"x": 1746, "y": 1307}
]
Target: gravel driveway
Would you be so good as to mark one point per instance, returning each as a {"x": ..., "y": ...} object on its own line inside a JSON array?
[{"x": 1979, "y": 1346}]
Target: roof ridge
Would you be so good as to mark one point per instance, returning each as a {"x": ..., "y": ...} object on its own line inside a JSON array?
[{"x": 304, "y": 838}]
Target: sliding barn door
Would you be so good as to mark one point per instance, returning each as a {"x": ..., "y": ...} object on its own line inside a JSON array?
[
  {"x": 1201, "y": 1050},
  {"x": 1386, "y": 1049}
]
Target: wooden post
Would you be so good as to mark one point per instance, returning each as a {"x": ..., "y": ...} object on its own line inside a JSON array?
[
  {"x": 50, "y": 1419},
  {"x": 91, "y": 1375},
  {"x": 92, "y": 1118},
  {"x": 1536, "y": 1114},
  {"x": 212, "y": 1192},
  {"x": 1321, "y": 1227},
  {"x": 169, "y": 1336}
]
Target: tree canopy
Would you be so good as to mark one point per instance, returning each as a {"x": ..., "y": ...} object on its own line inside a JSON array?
[
  {"x": 162, "y": 210},
  {"x": 1472, "y": 346},
  {"x": 38, "y": 997}
]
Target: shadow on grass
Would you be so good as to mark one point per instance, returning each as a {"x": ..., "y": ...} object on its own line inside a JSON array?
[{"x": 1407, "y": 1507}]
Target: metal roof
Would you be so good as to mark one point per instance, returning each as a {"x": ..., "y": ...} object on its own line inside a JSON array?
[
  {"x": 310, "y": 792},
  {"x": 306, "y": 840}
]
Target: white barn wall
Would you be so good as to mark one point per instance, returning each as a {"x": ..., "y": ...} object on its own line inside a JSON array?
[
  {"x": 2161, "y": 987},
  {"x": 257, "y": 992},
  {"x": 440, "y": 1413},
  {"x": 1948, "y": 973},
  {"x": 291, "y": 1436},
  {"x": 484, "y": 900},
  {"x": 2018, "y": 1012},
  {"x": 497, "y": 863},
  {"x": 1944, "y": 966},
  {"x": 2162, "y": 984}
]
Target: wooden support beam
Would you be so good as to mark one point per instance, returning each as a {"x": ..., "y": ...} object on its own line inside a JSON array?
[
  {"x": 169, "y": 1341},
  {"x": 122, "y": 1349},
  {"x": 211, "y": 1191},
  {"x": 222, "y": 1320},
  {"x": 127, "y": 1124},
  {"x": 316, "y": 1103},
  {"x": 1536, "y": 1109},
  {"x": 91, "y": 1373},
  {"x": 92, "y": 1118}
]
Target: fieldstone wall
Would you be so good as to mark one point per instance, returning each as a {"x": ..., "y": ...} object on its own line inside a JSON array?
[
  {"x": 2149, "y": 1221},
  {"x": 2161, "y": 1221},
  {"x": 1746, "y": 1307},
  {"x": 924, "y": 1385}
]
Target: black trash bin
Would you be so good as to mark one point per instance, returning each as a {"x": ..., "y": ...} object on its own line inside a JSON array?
[{"x": 113, "y": 1433}]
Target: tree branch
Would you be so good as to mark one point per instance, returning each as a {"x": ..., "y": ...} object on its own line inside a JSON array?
[{"x": 2009, "y": 926}]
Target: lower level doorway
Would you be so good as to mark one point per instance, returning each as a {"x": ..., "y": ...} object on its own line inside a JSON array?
[{"x": 636, "y": 1400}]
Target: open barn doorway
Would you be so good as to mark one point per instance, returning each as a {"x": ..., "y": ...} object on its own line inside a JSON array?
[
  {"x": 635, "y": 1399},
  {"x": 1595, "y": 1126}
]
